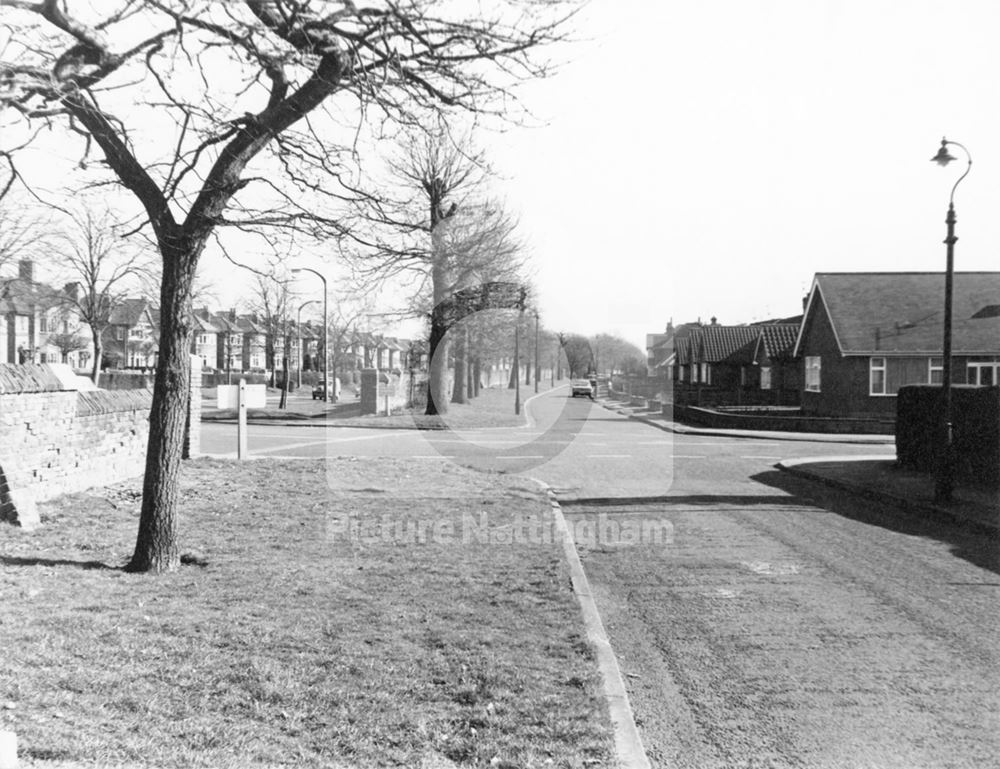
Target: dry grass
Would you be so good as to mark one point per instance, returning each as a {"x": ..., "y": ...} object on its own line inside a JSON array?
[{"x": 297, "y": 645}]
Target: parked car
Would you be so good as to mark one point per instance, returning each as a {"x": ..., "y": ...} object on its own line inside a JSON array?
[
  {"x": 582, "y": 387},
  {"x": 319, "y": 390}
]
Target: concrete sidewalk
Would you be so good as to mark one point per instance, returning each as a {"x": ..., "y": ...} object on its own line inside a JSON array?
[{"x": 657, "y": 419}]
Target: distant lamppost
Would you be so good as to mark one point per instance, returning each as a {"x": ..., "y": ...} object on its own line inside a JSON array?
[
  {"x": 945, "y": 481},
  {"x": 537, "y": 360},
  {"x": 328, "y": 388},
  {"x": 298, "y": 335}
]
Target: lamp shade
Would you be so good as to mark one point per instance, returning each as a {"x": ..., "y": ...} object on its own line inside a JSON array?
[{"x": 943, "y": 157}]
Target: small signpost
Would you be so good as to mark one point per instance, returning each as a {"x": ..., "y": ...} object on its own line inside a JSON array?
[
  {"x": 241, "y": 397},
  {"x": 241, "y": 421}
]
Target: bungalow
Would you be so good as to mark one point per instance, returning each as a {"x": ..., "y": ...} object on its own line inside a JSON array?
[
  {"x": 865, "y": 335},
  {"x": 734, "y": 365}
]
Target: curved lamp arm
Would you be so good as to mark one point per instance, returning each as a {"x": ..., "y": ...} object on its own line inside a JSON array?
[{"x": 943, "y": 158}]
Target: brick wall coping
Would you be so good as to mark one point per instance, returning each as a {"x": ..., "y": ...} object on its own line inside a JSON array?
[
  {"x": 111, "y": 401},
  {"x": 28, "y": 378}
]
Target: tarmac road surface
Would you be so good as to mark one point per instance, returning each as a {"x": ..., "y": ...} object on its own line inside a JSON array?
[{"x": 759, "y": 620}]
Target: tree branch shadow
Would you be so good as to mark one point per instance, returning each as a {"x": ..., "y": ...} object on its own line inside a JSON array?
[{"x": 15, "y": 560}]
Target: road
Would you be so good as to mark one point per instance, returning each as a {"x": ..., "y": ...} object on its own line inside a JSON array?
[{"x": 759, "y": 620}]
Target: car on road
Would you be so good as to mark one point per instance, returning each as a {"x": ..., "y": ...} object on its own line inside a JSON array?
[
  {"x": 582, "y": 387},
  {"x": 319, "y": 390}
]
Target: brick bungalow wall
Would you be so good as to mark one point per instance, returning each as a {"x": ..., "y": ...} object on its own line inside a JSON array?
[{"x": 54, "y": 441}]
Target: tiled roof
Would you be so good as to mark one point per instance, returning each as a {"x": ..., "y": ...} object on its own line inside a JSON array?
[
  {"x": 732, "y": 344},
  {"x": 903, "y": 312},
  {"x": 779, "y": 339},
  {"x": 129, "y": 312}
]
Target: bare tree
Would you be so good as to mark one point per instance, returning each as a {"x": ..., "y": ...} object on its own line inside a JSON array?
[
  {"x": 247, "y": 86},
  {"x": 20, "y": 236},
  {"x": 100, "y": 269},
  {"x": 439, "y": 230},
  {"x": 271, "y": 304}
]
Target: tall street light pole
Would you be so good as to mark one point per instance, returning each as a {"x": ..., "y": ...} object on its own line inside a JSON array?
[
  {"x": 328, "y": 388},
  {"x": 945, "y": 481},
  {"x": 537, "y": 359},
  {"x": 298, "y": 335}
]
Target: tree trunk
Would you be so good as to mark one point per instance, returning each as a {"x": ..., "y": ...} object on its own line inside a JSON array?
[
  {"x": 156, "y": 543},
  {"x": 95, "y": 369},
  {"x": 460, "y": 390},
  {"x": 437, "y": 384}
]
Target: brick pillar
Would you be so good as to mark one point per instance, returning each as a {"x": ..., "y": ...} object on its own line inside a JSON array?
[
  {"x": 192, "y": 427},
  {"x": 369, "y": 391}
]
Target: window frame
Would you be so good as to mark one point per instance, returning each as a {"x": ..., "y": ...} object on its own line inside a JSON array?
[
  {"x": 884, "y": 370},
  {"x": 813, "y": 363}
]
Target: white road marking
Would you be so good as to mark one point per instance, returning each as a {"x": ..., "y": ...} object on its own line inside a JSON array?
[{"x": 688, "y": 456}]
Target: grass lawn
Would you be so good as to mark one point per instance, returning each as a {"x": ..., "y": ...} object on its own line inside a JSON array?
[{"x": 319, "y": 634}]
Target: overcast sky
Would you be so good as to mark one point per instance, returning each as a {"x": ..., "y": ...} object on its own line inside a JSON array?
[
  {"x": 707, "y": 158},
  {"x": 699, "y": 159}
]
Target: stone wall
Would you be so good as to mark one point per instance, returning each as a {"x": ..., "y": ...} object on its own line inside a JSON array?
[{"x": 54, "y": 440}]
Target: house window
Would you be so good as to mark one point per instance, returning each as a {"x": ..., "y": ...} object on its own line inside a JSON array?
[
  {"x": 765, "y": 378},
  {"x": 935, "y": 370},
  {"x": 812, "y": 373},
  {"x": 876, "y": 376},
  {"x": 43, "y": 325},
  {"x": 983, "y": 374},
  {"x": 705, "y": 376},
  {"x": 119, "y": 333}
]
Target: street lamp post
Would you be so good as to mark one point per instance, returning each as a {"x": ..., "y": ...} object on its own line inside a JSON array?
[
  {"x": 945, "y": 481},
  {"x": 326, "y": 335},
  {"x": 537, "y": 360},
  {"x": 298, "y": 335}
]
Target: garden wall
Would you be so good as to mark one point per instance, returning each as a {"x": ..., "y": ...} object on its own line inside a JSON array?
[{"x": 55, "y": 440}]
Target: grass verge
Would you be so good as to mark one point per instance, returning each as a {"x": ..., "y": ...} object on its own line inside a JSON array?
[{"x": 320, "y": 633}]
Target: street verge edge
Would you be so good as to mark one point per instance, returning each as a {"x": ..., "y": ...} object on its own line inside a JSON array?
[{"x": 628, "y": 743}]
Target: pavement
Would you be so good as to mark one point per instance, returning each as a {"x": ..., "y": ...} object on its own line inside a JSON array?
[{"x": 873, "y": 477}]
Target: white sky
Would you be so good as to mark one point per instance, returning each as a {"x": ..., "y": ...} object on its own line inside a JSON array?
[{"x": 707, "y": 158}]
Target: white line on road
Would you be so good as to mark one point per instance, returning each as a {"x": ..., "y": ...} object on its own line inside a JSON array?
[{"x": 687, "y": 456}]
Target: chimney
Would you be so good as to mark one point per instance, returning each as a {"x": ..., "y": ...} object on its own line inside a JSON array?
[
  {"x": 72, "y": 290},
  {"x": 26, "y": 270},
  {"x": 715, "y": 321},
  {"x": 670, "y": 326},
  {"x": 232, "y": 314},
  {"x": 805, "y": 302}
]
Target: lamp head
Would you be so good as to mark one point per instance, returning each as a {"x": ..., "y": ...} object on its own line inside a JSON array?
[{"x": 942, "y": 158}]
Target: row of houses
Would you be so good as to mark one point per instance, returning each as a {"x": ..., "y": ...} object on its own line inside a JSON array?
[
  {"x": 861, "y": 337},
  {"x": 39, "y": 324}
]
